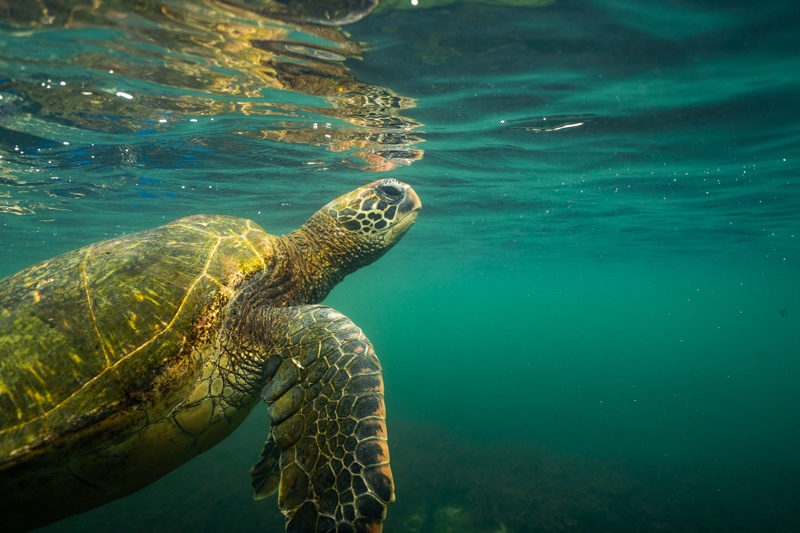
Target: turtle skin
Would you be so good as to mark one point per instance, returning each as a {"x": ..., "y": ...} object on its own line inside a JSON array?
[{"x": 124, "y": 359}]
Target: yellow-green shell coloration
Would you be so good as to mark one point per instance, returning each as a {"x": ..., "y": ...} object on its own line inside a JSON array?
[{"x": 124, "y": 359}]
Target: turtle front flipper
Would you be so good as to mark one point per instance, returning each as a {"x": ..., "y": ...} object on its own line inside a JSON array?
[{"x": 327, "y": 443}]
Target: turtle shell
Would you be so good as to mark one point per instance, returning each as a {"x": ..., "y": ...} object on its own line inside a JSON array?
[{"x": 98, "y": 343}]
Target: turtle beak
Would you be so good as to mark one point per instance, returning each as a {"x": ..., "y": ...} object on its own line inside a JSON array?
[
  {"x": 406, "y": 215},
  {"x": 408, "y": 206},
  {"x": 412, "y": 197}
]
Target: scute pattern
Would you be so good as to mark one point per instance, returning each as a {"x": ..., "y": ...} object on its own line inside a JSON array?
[{"x": 94, "y": 355}]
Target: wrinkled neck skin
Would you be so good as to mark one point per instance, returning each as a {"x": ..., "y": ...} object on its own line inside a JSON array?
[
  {"x": 317, "y": 259},
  {"x": 301, "y": 268},
  {"x": 306, "y": 264}
]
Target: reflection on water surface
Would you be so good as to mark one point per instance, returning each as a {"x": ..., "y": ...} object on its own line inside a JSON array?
[{"x": 120, "y": 68}]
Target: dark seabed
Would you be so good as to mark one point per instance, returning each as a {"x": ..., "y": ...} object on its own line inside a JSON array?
[{"x": 594, "y": 324}]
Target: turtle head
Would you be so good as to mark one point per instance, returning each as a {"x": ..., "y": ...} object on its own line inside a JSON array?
[
  {"x": 378, "y": 214},
  {"x": 362, "y": 225},
  {"x": 350, "y": 232}
]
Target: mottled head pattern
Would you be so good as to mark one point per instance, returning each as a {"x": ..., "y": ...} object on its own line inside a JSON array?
[{"x": 377, "y": 214}]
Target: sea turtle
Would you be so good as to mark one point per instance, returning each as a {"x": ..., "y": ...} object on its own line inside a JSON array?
[{"x": 121, "y": 360}]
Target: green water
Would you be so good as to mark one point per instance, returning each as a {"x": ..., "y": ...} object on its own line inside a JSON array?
[{"x": 590, "y": 328}]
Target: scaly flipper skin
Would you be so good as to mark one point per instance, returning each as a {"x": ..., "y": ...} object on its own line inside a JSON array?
[{"x": 328, "y": 437}]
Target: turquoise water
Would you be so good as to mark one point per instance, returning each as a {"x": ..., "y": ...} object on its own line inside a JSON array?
[{"x": 593, "y": 326}]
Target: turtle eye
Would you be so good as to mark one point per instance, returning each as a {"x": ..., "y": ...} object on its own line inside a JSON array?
[{"x": 390, "y": 190}]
